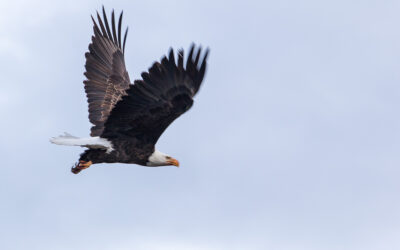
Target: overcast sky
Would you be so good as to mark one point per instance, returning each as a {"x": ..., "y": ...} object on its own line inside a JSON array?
[{"x": 292, "y": 144}]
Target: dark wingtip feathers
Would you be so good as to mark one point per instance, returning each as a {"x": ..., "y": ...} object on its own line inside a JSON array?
[
  {"x": 197, "y": 56},
  {"x": 190, "y": 56},
  {"x": 106, "y": 24},
  {"x": 171, "y": 56},
  {"x": 203, "y": 65},
  {"x": 114, "y": 33},
  {"x": 193, "y": 65},
  {"x": 119, "y": 28},
  {"x": 193, "y": 59},
  {"x": 171, "y": 68},
  {"x": 180, "y": 59},
  {"x": 126, "y": 34},
  {"x": 206, "y": 54}
]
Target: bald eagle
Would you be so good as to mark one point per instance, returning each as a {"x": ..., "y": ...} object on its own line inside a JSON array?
[{"x": 128, "y": 119}]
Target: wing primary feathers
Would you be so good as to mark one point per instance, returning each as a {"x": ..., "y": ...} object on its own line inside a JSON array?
[
  {"x": 167, "y": 63},
  {"x": 171, "y": 56},
  {"x": 190, "y": 57},
  {"x": 126, "y": 34},
  {"x": 205, "y": 57},
  {"x": 113, "y": 27},
  {"x": 119, "y": 29},
  {"x": 203, "y": 66},
  {"x": 112, "y": 34},
  {"x": 167, "y": 71},
  {"x": 106, "y": 24},
  {"x": 96, "y": 28},
  {"x": 196, "y": 61},
  {"x": 180, "y": 59},
  {"x": 175, "y": 70},
  {"x": 103, "y": 30}
]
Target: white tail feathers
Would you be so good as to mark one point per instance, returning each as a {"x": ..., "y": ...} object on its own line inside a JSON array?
[{"x": 89, "y": 142}]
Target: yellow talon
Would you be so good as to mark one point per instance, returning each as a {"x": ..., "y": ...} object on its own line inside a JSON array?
[
  {"x": 80, "y": 166},
  {"x": 84, "y": 164}
]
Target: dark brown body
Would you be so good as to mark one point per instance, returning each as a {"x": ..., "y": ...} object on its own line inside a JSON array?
[{"x": 125, "y": 151}]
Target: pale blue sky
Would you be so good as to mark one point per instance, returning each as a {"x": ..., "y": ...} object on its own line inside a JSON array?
[{"x": 292, "y": 144}]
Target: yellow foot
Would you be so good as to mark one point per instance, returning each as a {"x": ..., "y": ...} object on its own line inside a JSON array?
[{"x": 80, "y": 166}]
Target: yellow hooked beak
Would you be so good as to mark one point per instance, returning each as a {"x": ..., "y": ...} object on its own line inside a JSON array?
[{"x": 173, "y": 162}]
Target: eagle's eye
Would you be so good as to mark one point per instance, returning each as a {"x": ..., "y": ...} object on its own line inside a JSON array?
[{"x": 168, "y": 157}]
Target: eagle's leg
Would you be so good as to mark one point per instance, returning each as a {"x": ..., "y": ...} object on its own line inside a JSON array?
[{"x": 81, "y": 165}]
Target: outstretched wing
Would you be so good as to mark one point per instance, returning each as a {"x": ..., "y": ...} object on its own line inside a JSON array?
[
  {"x": 107, "y": 78},
  {"x": 153, "y": 103}
]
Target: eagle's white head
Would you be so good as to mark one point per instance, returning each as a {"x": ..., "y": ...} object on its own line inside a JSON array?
[{"x": 160, "y": 159}]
